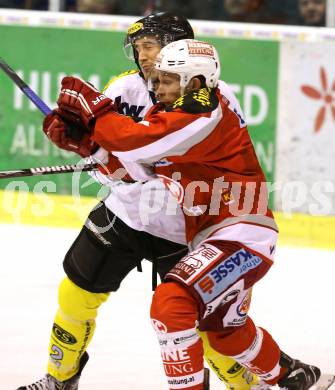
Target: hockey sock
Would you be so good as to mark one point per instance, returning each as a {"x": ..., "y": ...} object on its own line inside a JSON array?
[
  {"x": 252, "y": 347},
  {"x": 234, "y": 375},
  {"x": 174, "y": 315},
  {"x": 73, "y": 328}
]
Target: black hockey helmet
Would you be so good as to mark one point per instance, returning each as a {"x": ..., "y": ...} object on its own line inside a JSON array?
[{"x": 166, "y": 27}]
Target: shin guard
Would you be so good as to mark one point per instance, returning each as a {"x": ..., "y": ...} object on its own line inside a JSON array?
[{"x": 73, "y": 329}]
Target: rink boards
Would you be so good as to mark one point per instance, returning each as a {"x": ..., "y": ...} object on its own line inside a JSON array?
[
  {"x": 282, "y": 75},
  {"x": 71, "y": 211}
]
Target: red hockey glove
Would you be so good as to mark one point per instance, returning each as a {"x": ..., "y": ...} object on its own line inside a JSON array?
[
  {"x": 82, "y": 99},
  {"x": 55, "y": 129}
]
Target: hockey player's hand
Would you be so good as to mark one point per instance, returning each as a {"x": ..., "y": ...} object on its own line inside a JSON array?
[
  {"x": 55, "y": 129},
  {"x": 82, "y": 99}
]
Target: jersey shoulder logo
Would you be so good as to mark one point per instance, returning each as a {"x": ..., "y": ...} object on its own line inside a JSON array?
[
  {"x": 113, "y": 79},
  {"x": 203, "y": 100}
]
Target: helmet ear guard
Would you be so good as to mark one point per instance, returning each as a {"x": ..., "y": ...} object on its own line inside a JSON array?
[{"x": 190, "y": 58}]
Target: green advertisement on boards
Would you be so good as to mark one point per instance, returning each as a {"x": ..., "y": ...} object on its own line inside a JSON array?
[
  {"x": 251, "y": 69},
  {"x": 42, "y": 56}
]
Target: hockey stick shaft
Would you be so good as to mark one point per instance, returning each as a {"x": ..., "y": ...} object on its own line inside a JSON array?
[
  {"x": 39, "y": 103},
  {"x": 45, "y": 109},
  {"x": 206, "y": 379},
  {"x": 71, "y": 129},
  {"x": 47, "y": 170}
]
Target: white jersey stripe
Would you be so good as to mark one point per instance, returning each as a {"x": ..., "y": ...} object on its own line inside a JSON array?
[
  {"x": 259, "y": 239},
  {"x": 257, "y": 219},
  {"x": 176, "y": 143}
]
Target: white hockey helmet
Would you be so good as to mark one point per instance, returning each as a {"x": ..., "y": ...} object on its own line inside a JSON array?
[{"x": 189, "y": 58}]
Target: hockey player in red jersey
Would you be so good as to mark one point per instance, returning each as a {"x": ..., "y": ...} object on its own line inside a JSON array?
[
  {"x": 96, "y": 264},
  {"x": 198, "y": 145}
]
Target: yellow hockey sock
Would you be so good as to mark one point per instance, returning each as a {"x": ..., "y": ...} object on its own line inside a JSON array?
[
  {"x": 73, "y": 328},
  {"x": 235, "y": 376}
]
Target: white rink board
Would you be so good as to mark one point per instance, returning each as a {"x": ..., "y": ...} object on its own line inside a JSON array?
[
  {"x": 305, "y": 152},
  {"x": 295, "y": 302}
]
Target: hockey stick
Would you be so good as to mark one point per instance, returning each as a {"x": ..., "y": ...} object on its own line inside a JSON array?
[
  {"x": 45, "y": 109},
  {"x": 206, "y": 379},
  {"x": 72, "y": 130},
  {"x": 39, "y": 103},
  {"x": 48, "y": 170}
]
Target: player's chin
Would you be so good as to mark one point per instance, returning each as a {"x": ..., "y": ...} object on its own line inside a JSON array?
[
  {"x": 166, "y": 102},
  {"x": 146, "y": 72}
]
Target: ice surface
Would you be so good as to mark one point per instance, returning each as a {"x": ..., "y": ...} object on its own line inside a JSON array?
[{"x": 295, "y": 302}]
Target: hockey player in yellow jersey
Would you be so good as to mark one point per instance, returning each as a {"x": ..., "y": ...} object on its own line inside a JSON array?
[{"x": 97, "y": 262}]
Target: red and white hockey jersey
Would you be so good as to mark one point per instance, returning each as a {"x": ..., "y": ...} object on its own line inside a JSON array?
[
  {"x": 202, "y": 151},
  {"x": 147, "y": 205}
]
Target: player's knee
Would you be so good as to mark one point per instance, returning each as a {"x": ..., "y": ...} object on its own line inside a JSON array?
[
  {"x": 173, "y": 307},
  {"x": 233, "y": 341},
  {"x": 77, "y": 303}
]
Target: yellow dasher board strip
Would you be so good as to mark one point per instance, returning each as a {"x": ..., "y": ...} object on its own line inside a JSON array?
[{"x": 71, "y": 211}]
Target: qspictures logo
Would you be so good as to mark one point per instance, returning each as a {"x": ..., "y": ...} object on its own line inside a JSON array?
[{"x": 326, "y": 97}]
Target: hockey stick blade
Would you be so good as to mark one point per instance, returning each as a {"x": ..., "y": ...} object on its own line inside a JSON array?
[
  {"x": 39, "y": 103},
  {"x": 47, "y": 170}
]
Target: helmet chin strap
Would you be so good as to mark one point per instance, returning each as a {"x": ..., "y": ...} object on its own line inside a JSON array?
[
  {"x": 150, "y": 84},
  {"x": 185, "y": 89},
  {"x": 183, "y": 84}
]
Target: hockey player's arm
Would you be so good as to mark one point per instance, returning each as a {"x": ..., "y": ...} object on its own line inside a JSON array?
[{"x": 159, "y": 135}]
